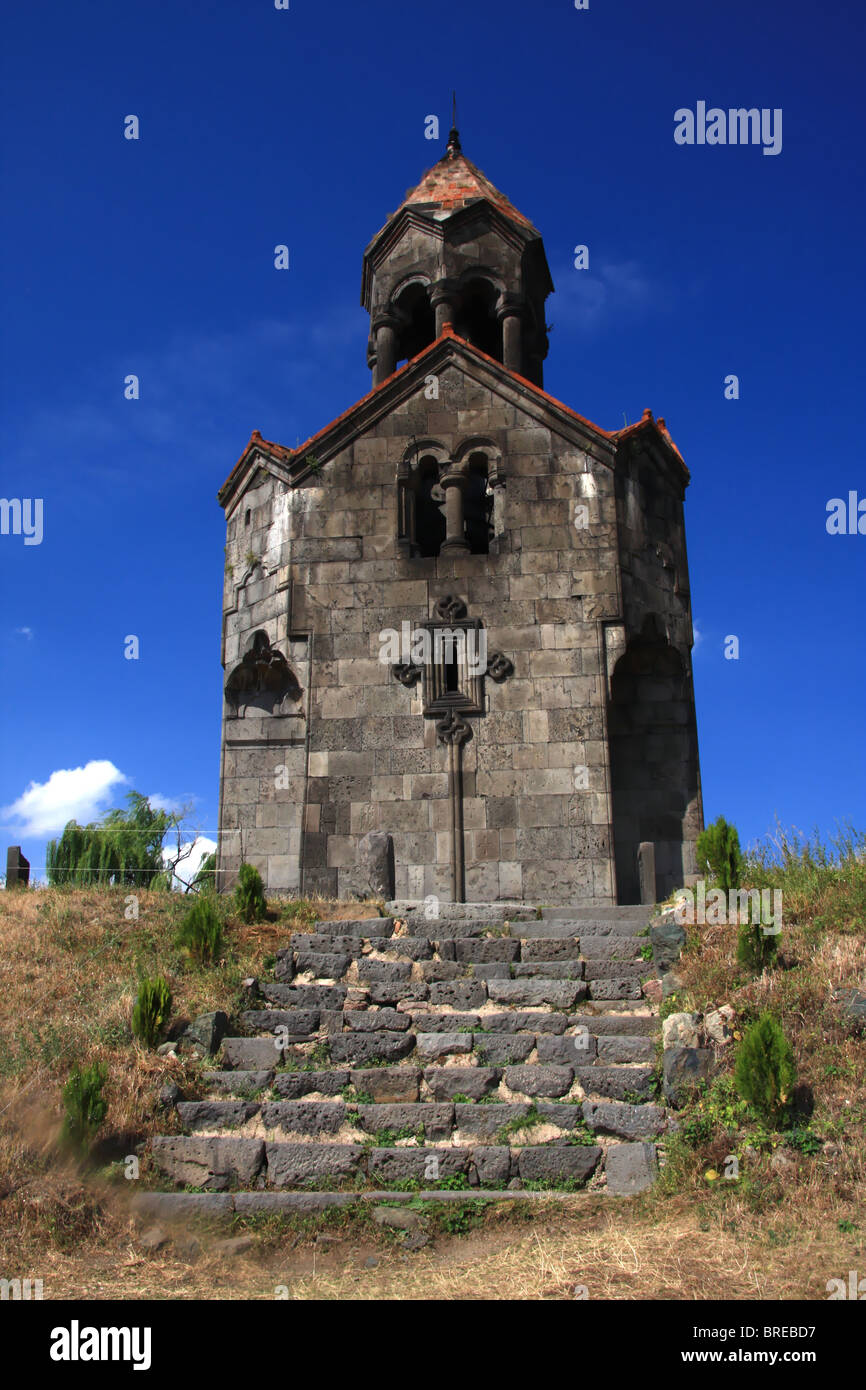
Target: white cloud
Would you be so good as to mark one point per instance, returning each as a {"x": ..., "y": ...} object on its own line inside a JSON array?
[
  {"x": 78, "y": 793},
  {"x": 188, "y": 868},
  {"x": 24, "y": 632},
  {"x": 607, "y": 293},
  {"x": 697, "y": 634}
]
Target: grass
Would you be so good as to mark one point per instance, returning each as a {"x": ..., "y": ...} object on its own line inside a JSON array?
[{"x": 822, "y": 948}]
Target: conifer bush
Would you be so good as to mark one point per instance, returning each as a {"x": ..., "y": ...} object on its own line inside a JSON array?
[
  {"x": 151, "y": 1010},
  {"x": 84, "y": 1104},
  {"x": 764, "y": 1072},
  {"x": 201, "y": 931},
  {"x": 756, "y": 949},
  {"x": 719, "y": 846},
  {"x": 250, "y": 901}
]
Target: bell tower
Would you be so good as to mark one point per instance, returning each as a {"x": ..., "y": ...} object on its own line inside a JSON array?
[{"x": 458, "y": 252}]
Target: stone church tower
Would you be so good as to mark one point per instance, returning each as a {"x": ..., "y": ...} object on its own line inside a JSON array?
[{"x": 459, "y": 615}]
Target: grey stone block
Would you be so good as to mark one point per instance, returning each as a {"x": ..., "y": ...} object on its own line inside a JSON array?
[
  {"x": 614, "y": 1082},
  {"x": 215, "y": 1114},
  {"x": 385, "y": 1084},
  {"x": 474, "y": 1082},
  {"x": 625, "y": 1121},
  {"x": 561, "y": 994},
  {"x": 539, "y": 1080},
  {"x": 290, "y": 1165},
  {"x": 443, "y": 1044},
  {"x": 487, "y": 949},
  {"x": 486, "y": 1121},
  {"x": 492, "y": 1164},
  {"x": 558, "y": 1162},
  {"x": 360, "y": 1048},
  {"x": 212, "y": 1163},
  {"x": 238, "y": 1083},
  {"x": 625, "y": 1049},
  {"x": 571, "y": 1049},
  {"x": 459, "y": 994},
  {"x": 423, "y": 1164},
  {"x": 384, "y": 971},
  {"x": 376, "y": 1020},
  {"x": 630, "y": 1168},
  {"x": 501, "y": 1049},
  {"x": 323, "y": 967},
  {"x": 299, "y": 1022},
  {"x": 251, "y": 1054},
  {"x": 685, "y": 1071},
  {"x": 304, "y": 1116},
  {"x": 435, "y": 1120},
  {"x": 291, "y": 1085},
  {"x": 667, "y": 938}
]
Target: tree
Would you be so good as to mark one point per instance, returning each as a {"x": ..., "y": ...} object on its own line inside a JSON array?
[
  {"x": 719, "y": 847},
  {"x": 124, "y": 848}
]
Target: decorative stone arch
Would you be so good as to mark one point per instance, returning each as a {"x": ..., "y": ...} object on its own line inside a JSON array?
[
  {"x": 409, "y": 305},
  {"x": 653, "y": 761},
  {"x": 478, "y": 292}
]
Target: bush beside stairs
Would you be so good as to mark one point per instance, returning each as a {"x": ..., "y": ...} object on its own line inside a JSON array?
[{"x": 497, "y": 1050}]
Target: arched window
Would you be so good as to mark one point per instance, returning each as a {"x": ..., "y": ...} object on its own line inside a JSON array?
[
  {"x": 417, "y": 321},
  {"x": 476, "y": 319},
  {"x": 429, "y": 513},
  {"x": 477, "y": 505}
]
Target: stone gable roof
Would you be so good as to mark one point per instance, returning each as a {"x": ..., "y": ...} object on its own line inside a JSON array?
[{"x": 292, "y": 464}]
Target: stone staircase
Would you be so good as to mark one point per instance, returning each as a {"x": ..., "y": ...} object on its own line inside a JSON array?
[{"x": 493, "y": 1051}]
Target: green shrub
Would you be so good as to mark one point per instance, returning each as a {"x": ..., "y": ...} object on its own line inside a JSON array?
[
  {"x": 201, "y": 931},
  {"x": 84, "y": 1104},
  {"x": 250, "y": 902},
  {"x": 151, "y": 1009},
  {"x": 756, "y": 949},
  {"x": 719, "y": 847},
  {"x": 764, "y": 1073}
]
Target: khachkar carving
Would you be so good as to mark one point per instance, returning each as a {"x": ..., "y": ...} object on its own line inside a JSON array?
[
  {"x": 262, "y": 678},
  {"x": 453, "y": 648}
]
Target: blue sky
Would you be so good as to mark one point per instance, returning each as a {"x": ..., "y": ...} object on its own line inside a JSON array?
[{"x": 306, "y": 127}]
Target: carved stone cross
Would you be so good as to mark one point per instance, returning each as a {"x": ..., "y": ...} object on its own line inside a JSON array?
[{"x": 450, "y": 694}]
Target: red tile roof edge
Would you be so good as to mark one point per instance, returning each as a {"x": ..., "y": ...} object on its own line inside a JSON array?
[{"x": 285, "y": 454}]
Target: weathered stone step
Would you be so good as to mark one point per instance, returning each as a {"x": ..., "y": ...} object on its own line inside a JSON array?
[
  {"x": 356, "y": 926},
  {"x": 615, "y": 969},
  {"x": 555, "y": 928},
  {"x": 601, "y": 912},
  {"x": 300, "y": 1023},
  {"x": 632, "y": 1023},
  {"x": 624, "y": 1121},
  {"x": 613, "y": 1082},
  {"x": 216, "y": 1164},
  {"x": 622, "y": 987},
  {"x": 303, "y": 996},
  {"x": 405, "y": 909},
  {"x": 182, "y": 1207}
]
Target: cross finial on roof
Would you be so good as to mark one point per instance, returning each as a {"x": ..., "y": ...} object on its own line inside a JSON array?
[{"x": 453, "y": 146}]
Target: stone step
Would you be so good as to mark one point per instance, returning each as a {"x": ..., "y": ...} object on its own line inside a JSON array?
[
  {"x": 303, "y": 996},
  {"x": 183, "y": 1207},
  {"x": 217, "y": 1164},
  {"x": 461, "y": 912},
  {"x": 600, "y": 912},
  {"x": 623, "y": 987},
  {"x": 554, "y": 928},
  {"x": 644, "y": 1025},
  {"x": 356, "y": 926}
]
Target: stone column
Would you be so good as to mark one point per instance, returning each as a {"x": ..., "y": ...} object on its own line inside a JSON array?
[
  {"x": 510, "y": 314},
  {"x": 442, "y": 299},
  {"x": 385, "y": 330},
  {"x": 452, "y": 482}
]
